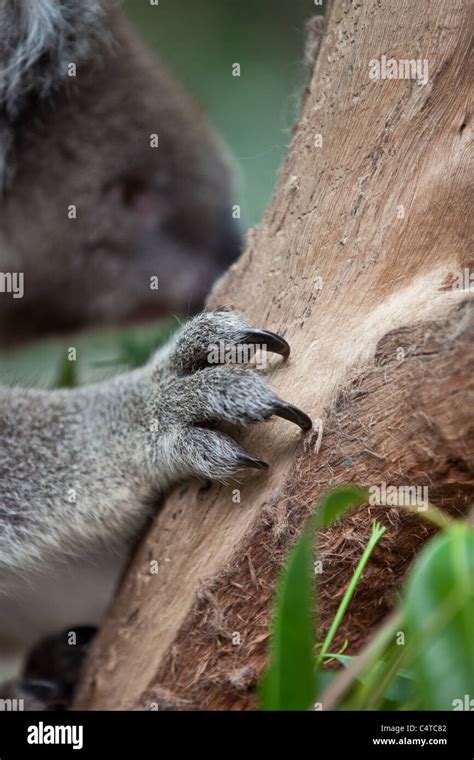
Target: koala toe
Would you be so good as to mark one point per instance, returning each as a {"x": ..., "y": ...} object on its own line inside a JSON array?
[
  {"x": 220, "y": 337},
  {"x": 195, "y": 399},
  {"x": 207, "y": 454},
  {"x": 232, "y": 395}
]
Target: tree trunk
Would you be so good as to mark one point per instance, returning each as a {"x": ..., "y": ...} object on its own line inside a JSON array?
[{"x": 360, "y": 263}]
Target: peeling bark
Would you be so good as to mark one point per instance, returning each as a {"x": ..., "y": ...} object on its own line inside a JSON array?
[{"x": 355, "y": 263}]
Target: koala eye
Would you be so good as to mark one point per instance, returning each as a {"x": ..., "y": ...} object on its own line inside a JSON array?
[
  {"x": 136, "y": 196},
  {"x": 129, "y": 190}
]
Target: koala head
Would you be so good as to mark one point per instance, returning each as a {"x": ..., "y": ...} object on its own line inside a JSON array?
[{"x": 116, "y": 198}]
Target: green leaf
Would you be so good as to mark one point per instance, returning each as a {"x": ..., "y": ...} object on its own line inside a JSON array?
[
  {"x": 288, "y": 683},
  {"x": 343, "y": 659},
  {"x": 67, "y": 373},
  {"x": 440, "y": 617},
  {"x": 400, "y": 691},
  {"x": 135, "y": 351},
  {"x": 337, "y": 502},
  {"x": 396, "y": 692}
]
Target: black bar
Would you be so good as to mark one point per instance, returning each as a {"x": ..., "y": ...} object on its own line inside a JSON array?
[{"x": 312, "y": 734}]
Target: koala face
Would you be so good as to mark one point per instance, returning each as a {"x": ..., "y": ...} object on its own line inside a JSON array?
[{"x": 117, "y": 198}]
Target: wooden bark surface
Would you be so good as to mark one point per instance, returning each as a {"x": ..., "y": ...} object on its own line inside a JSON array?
[{"x": 381, "y": 354}]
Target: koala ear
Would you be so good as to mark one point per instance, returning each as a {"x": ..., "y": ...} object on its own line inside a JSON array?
[{"x": 39, "y": 38}]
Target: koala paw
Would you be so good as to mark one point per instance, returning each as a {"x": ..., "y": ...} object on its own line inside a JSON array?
[{"x": 197, "y": 396}]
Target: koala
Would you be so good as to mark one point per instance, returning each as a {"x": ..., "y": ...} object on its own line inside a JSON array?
[
  {"x": 82, "y": 470},
  {"x": 109, "y": 175}
]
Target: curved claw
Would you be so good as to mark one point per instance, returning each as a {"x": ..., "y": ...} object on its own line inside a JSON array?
[
  {"x": 269, "y": 340},
  {"x": 245, "y": 460},
  {"x": 293, "y": 414}
]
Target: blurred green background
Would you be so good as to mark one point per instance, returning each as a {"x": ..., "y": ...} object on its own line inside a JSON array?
[{"x": 199, "y": 41}]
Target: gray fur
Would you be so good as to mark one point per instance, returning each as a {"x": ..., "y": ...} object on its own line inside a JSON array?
[
  {"x": 118, "y": 444},
  {"x": 80, "y": 470},
  {"x": 38, "y": 39},
  {"x": 144, "y": 211}
]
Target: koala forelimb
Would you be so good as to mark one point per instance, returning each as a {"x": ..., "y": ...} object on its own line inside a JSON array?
[{"x": 80, "y": 467}]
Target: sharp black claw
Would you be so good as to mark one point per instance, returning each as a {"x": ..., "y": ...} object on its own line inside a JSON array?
[
  {"x": 245, "y": 460},
  {"x": 293, "y": 414},
  {"x": 271, "y": 341}
]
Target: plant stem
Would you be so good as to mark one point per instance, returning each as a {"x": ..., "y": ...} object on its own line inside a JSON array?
[
  {"x": 377, "y": 533},
  {"x": 333, "y": 694}
]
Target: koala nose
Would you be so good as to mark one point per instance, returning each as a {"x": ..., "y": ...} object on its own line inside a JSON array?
[{"x": 231, "y": 239}]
